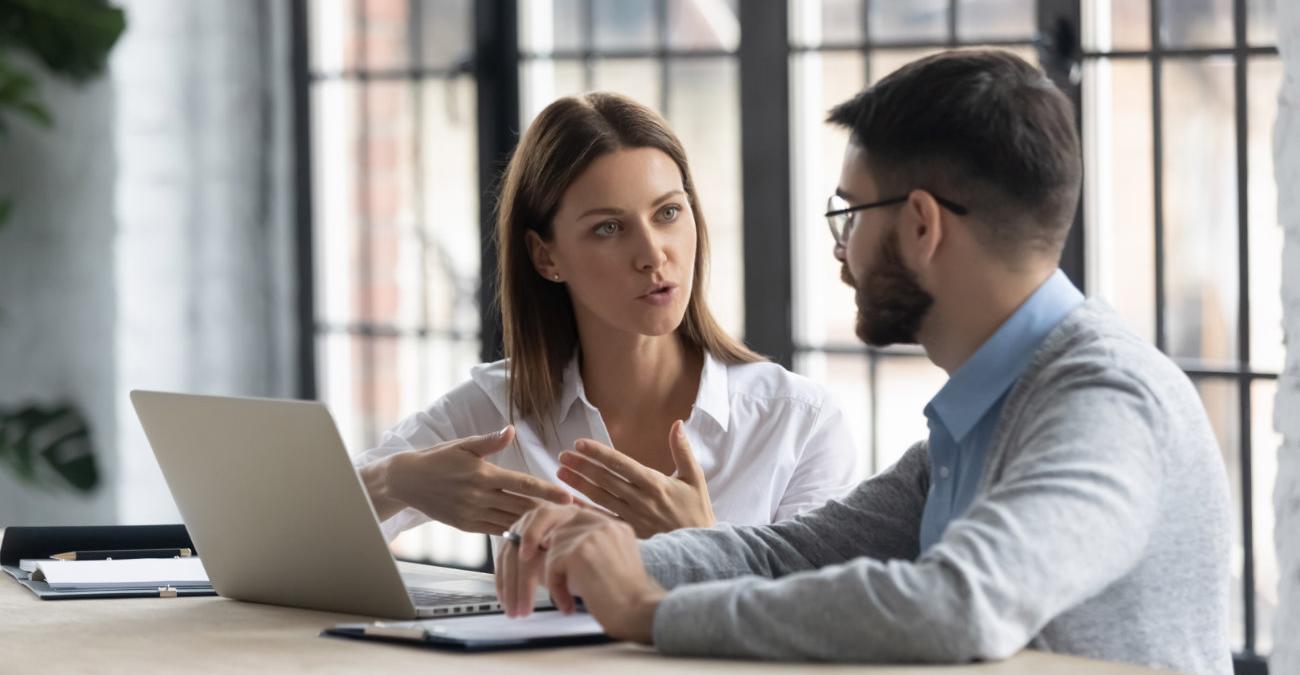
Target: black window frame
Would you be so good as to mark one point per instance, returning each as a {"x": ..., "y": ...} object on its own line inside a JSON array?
[
  {"x": 1241, "y": 373},
  {"x": 1054, "y": 43},
  {"x": 764, "y": 76}
]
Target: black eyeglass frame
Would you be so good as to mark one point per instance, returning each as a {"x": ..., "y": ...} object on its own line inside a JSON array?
[{"x": 842, "y": 239}]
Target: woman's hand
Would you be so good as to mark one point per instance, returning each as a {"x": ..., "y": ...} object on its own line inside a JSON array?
[
  {"x": 578, "y": 552},
  {"x": 646, "y": 499},
  {"x": 452, "y": 483}
]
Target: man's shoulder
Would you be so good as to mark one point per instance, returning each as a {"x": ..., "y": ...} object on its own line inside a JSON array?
[
  {"x": 1093, "y": 341},
  {"x": 1092, "y": 371}
]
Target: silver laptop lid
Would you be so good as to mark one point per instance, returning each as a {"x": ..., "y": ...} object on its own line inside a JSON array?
[{"x": 273, "y": 503}]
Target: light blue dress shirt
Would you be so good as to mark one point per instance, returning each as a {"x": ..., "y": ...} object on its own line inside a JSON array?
[{"x": 964, "y": 414}]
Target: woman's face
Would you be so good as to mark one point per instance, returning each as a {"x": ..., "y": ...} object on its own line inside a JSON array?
[{"x": 624, "y": 243}]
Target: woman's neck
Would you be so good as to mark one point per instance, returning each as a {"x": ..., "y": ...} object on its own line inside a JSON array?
[{"x": 637, "y": 376}]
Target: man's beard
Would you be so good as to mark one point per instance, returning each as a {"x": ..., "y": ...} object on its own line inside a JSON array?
[{"x": 891, "y": 303}]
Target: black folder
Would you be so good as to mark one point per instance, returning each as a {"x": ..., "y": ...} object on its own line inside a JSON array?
[{"x": 21, "y": 543}]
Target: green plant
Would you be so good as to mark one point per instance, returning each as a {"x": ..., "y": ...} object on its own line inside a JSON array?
[
  {"x": 49, "y": 446},
  {"x": 72, "y": 38}
]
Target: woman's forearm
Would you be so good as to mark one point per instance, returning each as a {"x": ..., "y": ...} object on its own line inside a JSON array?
[{"x": 375, "y": 477}]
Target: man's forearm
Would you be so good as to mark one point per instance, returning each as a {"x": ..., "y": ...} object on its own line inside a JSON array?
[
  {"x": 879, "y": 520},
  {"x": 1056, "y": 531},
  {"x": 864, "y": 611}
]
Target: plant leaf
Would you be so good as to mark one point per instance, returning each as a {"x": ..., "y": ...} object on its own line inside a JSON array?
[
  {"x": 49, "y": 447},
  {"x": 72, "y": 37},
  {"x": 35, "y": 112},
  {"x": 20, "y": 93}
]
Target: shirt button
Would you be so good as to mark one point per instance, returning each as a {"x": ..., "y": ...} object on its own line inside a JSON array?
[{"x": 944, "y": 471}]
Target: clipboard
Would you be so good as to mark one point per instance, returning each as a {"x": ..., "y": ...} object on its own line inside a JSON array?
[
  {"x": 481, "y": 633},
  {"x": 42, "y": 542}
]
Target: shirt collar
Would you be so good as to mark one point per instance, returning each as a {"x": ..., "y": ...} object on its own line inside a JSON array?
[
  {"x": 713, "y": 398},
  {"x": 571, "y": 390},
  {"x": 999, "y": 362}
]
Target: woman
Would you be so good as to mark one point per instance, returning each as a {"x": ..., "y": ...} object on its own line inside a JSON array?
[{"x": 610, "y": 344}]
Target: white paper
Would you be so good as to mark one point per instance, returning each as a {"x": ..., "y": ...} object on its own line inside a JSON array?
[
  {"x": 130, "y": 573},
  {"x": 495, "y": 627}
]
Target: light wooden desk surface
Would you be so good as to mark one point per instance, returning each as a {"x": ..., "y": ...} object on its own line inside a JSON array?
[{"x": 215, "y": 635}]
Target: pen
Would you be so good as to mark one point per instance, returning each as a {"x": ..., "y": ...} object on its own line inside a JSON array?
[{"x": 124, "y": 554}]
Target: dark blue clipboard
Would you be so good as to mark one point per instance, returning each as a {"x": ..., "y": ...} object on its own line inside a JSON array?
[
  {"x": 41, "y": 542},
  {"x": 450, "y": 642}
]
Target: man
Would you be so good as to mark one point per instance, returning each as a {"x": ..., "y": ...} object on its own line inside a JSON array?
[{"x": 1070, "y": 497}]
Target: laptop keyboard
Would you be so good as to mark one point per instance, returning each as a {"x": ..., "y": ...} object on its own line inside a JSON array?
[{"x": 424, "y": 597}]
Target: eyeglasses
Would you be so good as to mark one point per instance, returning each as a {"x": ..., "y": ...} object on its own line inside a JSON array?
[{"x": 841, "y": 216}]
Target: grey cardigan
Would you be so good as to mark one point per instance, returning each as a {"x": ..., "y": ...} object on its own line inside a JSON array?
[{"x": 1101, "y": 528}]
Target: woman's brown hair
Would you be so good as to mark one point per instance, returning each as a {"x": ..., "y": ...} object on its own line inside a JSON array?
[{"x": 540, "y": 329}]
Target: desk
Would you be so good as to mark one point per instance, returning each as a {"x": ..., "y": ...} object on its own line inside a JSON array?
[{"x": 215, "y": 635}]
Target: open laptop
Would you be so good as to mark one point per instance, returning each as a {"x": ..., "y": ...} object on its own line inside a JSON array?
[{"x": 280, "y": 516}]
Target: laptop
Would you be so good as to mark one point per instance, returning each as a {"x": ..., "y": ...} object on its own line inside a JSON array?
[{"x": 279, "y": 515}]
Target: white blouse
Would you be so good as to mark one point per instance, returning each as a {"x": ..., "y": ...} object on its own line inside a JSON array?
[{"x": 771, "y": 443}]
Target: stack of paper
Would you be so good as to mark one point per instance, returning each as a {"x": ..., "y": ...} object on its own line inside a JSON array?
[{"x": 121, "y": 574}]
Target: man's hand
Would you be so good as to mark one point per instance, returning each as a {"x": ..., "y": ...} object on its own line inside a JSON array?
[
  {"x": 646, "y": 499},
  {"x": 580, "y": 553},
  {"x": 452, "y": 483}
]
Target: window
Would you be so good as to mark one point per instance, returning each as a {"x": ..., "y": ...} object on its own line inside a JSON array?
[
  {"x": 837, "y": 47},
  {"x": 396, "y": 210},
  {"x": 396, "y": 191},
  {"x": 676, "y": 56},
  {"x": 1178, "y": 229},
  {"x": 1180, "y": 225},
  {"x": 1180, "y": 208}
]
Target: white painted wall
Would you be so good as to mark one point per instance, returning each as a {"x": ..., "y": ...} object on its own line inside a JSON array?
[
  {"x": 1286, "y": 496},
  {"x": 203, "y": 262},
  {"x": 151, "y": 246},
  {"x": 57, "y": 305}
]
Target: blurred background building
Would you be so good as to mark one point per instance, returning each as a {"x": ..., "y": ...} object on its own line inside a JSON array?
[{"x": 286, "y": 199}]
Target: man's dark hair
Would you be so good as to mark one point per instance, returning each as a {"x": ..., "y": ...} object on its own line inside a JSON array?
[{"x": 980, "y": 127}]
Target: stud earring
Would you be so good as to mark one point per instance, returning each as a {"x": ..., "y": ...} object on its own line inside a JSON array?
[{"x": 555, "y": 277}]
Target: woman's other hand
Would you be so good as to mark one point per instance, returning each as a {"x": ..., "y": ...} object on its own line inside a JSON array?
[{"x": 644, "y": 498}]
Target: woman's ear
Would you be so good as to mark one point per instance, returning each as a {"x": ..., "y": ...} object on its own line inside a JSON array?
[{"x": 540, "y": 253}]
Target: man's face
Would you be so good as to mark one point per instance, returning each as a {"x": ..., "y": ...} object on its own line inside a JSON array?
[{"x": 891, "y": 302}]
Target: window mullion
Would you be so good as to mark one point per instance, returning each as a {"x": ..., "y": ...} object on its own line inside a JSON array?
[
  {"x": 496, "y": 73},
  {"x": 305, "y": 300},
  {"x": 765, "y": 179},
  {"x": 1058, "y": 39},
  {"x": 1240, "y": 66}
]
